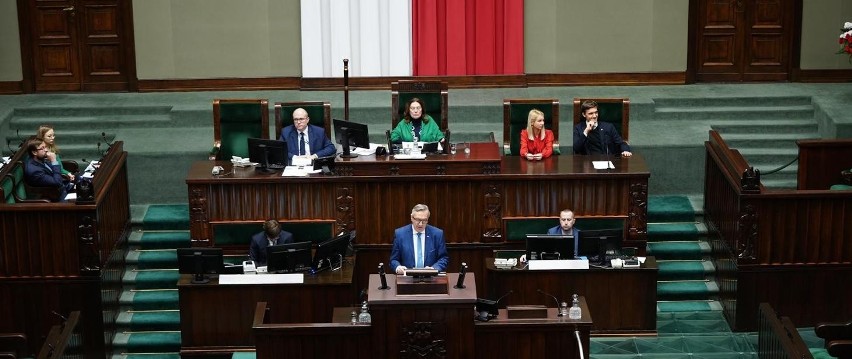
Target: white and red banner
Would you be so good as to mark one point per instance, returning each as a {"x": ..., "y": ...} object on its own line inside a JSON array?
[{"x": 412, "y": 37}]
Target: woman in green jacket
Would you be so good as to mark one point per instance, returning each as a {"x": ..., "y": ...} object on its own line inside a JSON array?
[{"x": 416, "y": 124}]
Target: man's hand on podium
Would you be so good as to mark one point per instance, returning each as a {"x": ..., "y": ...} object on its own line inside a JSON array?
[{"x": 400, "y": 270}]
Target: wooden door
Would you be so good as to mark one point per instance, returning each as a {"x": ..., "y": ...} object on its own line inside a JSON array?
[
  {"x": 77, "y": 45},
  {"x": 745, "y": 40}
]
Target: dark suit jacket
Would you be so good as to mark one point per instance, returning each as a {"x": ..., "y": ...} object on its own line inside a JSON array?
[
  {"x": 574, "y": 231},
  {"x": 317, "y": 139},
  {"x": 257, "y": 251},
  {"x": 402, "y": 252},
  {"x": 610, "y": 139},
  {"x": 36, "y": 174}
]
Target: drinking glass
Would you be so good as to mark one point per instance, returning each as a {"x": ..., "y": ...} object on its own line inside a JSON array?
[
  {"x": 467, "y": 148},
  {"x": 453, "y": 148}
]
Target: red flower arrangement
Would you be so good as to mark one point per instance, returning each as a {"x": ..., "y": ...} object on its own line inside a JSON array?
[{"x": 845, "y": 40}]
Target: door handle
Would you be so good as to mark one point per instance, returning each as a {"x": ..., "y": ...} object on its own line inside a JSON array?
[{"x": 70, "y": 10}]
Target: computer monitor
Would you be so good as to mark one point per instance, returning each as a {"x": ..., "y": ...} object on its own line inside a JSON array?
[
  {"x": 200, "y": 262},
  {"x": 597, "y": 244},
  {"x": 288, "y": 257},
  {"x": 348, "y": 133},
  {"x": 269, "y": 154},
  {"x": 330, "y": 253},
  {"x": 550, "y": 246}
]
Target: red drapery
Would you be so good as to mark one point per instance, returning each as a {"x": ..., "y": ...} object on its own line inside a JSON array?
[{"x": 467, "y": 37}]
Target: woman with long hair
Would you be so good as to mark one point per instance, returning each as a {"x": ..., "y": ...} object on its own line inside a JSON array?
[
  {"x": 536, "y": 141},
  {"x": 47, "y": 134}
]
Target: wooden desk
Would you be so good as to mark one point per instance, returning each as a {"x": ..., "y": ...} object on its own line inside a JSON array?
[
  {"x": 623, "y": 300},
  {"x": 472, "y": 209},
  {"x": 217, "y": 319},
  {"x": 484, "y": 158},
  {"x": 64, "y": 257},
  {"x": 551, "y": 337}
]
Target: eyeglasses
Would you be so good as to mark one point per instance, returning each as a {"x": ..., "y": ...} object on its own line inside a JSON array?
[
  {"x": 420, "y": 220},
  {"x": 302, "y": 119}
]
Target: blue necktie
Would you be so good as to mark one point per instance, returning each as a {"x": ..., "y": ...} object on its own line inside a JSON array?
[
  {"x": 420, "y": 255},
  {"x": 301, "y": 143}
]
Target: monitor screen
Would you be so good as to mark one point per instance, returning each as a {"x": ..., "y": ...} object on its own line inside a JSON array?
[
  {"x": 550, "y": 246},
  {"x": 597, "y": 244},
  {"x": 330, "y": 253},
  {"x": 200, "y": 262},
  {"x": 288, "y": 257},
  {"x": 268, "y": 153},
  {"x": 357, "y": 133}
]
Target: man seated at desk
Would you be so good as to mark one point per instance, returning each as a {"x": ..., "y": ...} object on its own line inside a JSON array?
[
  {"x": 565, "y": 227},
  {"x": 272, "y": 235},
  {"x": 593, "y": 137},
  {"x": 306, "y": 140},
  {"x": 418, "y": 245},
  {"x": 43, "y": 169}
]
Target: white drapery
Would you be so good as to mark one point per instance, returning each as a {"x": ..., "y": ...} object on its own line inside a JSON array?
[{"x": 375, "y": 35}]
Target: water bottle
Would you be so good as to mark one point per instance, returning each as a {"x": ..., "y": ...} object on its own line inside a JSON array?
[
  {"x": 416, "y": 149},
  {"x": 575, "y": 312},
  {"x": 365, "y": 316}
]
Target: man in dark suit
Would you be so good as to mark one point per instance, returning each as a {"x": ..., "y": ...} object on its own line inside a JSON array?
[
  {"x": 272, "y": 235},
  {"x": 304, "y": 139},
  {"x": 566, "y": 227},
  {"x": 43, "y": 170},
  {"x": 592, "y": 137},
  {"x": 418, "y": 245}
]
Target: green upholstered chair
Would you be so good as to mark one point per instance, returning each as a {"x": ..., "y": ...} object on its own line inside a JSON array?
[
  {"x": 613, "y": 110},
  {"x": 515, "y": 114},
  {"x": 434, "y": 97},
  {"x": 846, "y": 177},
  {"x": 234, "y": 121},
  {"x": 21, "y": 192},
  {"x": 318, "y": 111}
]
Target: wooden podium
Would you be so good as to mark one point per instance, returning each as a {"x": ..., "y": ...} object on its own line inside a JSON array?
[{"x": 423, "y": 325}]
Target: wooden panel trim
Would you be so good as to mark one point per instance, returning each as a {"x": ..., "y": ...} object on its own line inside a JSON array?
[
  {"x": 11, "y": 87},
  {"x": 384, "y": 83},
  {"x": 808, "y": 76}
]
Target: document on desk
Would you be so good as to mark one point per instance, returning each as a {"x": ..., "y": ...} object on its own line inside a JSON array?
[
  {"x": 558, "y": 264},
  {"x": 298, "y": 171},
  {"x": 286, "y": 278},
  {"x": 603, "y": 165}
]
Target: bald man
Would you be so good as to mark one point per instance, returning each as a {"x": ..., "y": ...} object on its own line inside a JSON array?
[{"x": 306, "y": 140}]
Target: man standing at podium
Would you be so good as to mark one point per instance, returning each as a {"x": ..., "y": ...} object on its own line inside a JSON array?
[{"x": 418, "y": 245}]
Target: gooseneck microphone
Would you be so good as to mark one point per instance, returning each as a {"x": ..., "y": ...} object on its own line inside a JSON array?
[{"x": 554, "y": 299}]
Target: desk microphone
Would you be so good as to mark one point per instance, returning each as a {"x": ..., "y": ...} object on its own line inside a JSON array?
[
  {"x": 384, "y": 280},
  {"x": 462, "y": 272},
  {"x": 103, "y": 137},
  {"x": 554, "y": 299},
  {"x": 487, "y": 309}
]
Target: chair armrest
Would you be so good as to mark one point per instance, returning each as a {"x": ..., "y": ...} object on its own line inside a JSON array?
[
  {"x": 831, "y": 331},
  {"x": 13, "y": 345},
  {"x": 214, "y": 152},
  {"x": 846, "y": 176},
  {"x": 841, "y": 349}
]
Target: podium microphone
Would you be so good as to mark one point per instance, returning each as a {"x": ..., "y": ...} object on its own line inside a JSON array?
[
  {"x": 462, "y": 272},
  {"x": 382, "y": 277},
  {"x": 554, "y": 299}
]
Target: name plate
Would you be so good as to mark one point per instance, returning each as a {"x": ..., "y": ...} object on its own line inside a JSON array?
[
  {"x": 558, "y": 264},
  {"x": 286, "y": 278}
]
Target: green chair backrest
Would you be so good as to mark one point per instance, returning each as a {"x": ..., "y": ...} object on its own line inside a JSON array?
[
  {"x": 238, "y": 121},
  {"x": 20, "y": 189},
  {"x": 432, "y": 93},
  {"x": 319, "y": 112},
  {"x": 239, "y": 234},
  {"x": 518, "y": 112},
  {"x": 613, "y": 110},
  {"x": 7, "y": 185},
  {"x": 517, "y": 229}
]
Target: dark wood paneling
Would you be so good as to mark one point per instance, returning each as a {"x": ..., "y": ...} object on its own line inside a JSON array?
[
  {"x": 823, "y": 159},
  {"x": 11, "y": 87},
  {"x": 623, "y": 300},
  {"x": 778, "y": 338},
  {"x": 825, "y": 75},
  {"x": 217, "y": 318},
  {"x": 384, "y": 83}
]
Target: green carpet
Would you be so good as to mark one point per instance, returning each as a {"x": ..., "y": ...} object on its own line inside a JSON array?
[
  {"x": 688, "y": 306},
  {"x": 147, "y": 342},
  {"x": 166, "y": 216},
  {"x": 662, "y": 209},
  {"x": 162, "y": 240},
  {"x": 152, "y": 259},
  {"x": 684, "y": 269},
  {"x": 147, "y": 321},
  {"x": 678, "y": 250},
  {"x": 152, "y": 279},
  {"x": 678, "y": 290},
  {"x": 673, "y": 232},
  {"x": 150, "y": 300}
]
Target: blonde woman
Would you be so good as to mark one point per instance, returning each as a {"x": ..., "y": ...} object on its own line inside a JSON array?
[
  {"x": 48, "y": 135},
  {"x": 536, "y": 141}
]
